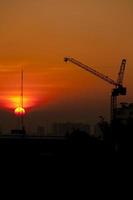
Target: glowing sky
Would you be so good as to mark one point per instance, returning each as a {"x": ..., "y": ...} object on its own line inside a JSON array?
[{"x": 37, "y": 34}]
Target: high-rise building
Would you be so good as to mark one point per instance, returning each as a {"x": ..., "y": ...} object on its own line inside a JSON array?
[{"x": 125, "y": 113}]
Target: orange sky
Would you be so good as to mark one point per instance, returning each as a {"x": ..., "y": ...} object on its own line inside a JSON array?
[{"x": 37, "y": 34}]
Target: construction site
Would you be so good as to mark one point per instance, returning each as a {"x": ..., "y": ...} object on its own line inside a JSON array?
[
  {"x": 111, "y": 138},
  {"x": 121, "y": 116}
]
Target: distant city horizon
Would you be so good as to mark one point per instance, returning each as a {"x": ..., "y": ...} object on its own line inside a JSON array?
[{"x": 35, "y": 38}]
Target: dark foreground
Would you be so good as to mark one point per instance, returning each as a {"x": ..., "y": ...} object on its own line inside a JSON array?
[{"x": 63, "y": 148}]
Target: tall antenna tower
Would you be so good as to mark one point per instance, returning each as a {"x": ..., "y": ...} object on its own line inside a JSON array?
[{"x": 22, "y": 116}]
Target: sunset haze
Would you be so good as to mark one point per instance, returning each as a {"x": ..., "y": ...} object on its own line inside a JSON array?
[{"x": 38, "y": 34}]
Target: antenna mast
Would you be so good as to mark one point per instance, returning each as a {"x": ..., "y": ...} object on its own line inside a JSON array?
[{"x": 22, "y": 116}]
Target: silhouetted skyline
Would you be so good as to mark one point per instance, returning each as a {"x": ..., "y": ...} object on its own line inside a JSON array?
[{"x": 36, "y": 35}]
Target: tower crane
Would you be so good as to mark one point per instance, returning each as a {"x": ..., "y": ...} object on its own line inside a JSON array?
[{"x": 118, "y": 90}]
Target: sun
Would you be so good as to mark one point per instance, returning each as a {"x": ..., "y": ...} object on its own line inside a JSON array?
[{"x": 19, "y": 111}]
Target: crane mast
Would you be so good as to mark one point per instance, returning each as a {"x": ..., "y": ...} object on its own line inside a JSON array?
[
  {"x": 121, "y": 72},
  {"x": 118, "y": 90}
]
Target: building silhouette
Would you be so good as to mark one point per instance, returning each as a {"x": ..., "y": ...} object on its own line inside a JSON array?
[
  {"x": 41, "y": 131},
  {"x": 63, "y": 129},
  {"x": 124, "y": 113}
]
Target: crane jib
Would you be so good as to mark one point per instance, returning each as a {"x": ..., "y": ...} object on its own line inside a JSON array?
[{"x": 87, "y": 68}]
